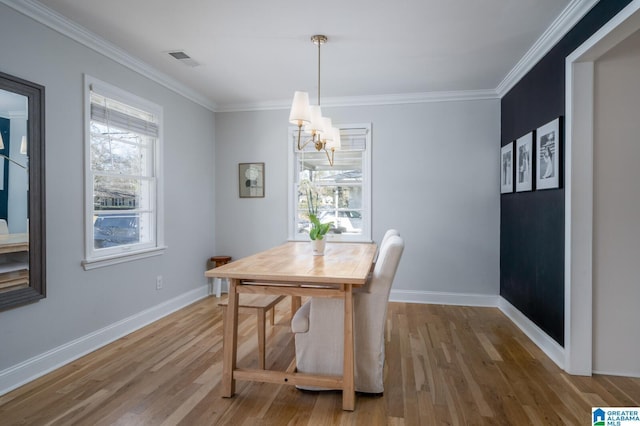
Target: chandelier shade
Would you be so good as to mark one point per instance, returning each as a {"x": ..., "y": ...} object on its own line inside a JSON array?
[
  {"x": 23, "y": 144},
  {"x": 335, "y": 142},
  {"x": 315, "y": 125},
  {"x": 300, "y": 112}
]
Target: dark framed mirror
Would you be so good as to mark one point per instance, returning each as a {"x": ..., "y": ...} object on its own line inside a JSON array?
[{"x": 22, "y": 192}]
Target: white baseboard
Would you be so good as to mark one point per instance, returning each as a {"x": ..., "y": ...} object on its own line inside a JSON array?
[
  {"x": 441, "y": 298},
  {"x": 26, "y": 371},
  {"x": 549, "y": 346},
  {"x": 634, "y": 374}
]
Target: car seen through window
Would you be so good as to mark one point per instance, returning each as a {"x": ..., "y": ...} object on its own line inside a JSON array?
[{"x": 116, "y": 230}]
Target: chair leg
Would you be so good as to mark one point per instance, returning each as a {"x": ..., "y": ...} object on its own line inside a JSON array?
[
  {"x": 217, "y": 283},
  {"x": 296, "y": 302},
  {"x": 261, "y": 337}
]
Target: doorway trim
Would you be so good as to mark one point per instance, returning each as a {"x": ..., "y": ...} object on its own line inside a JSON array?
[{"x": 579, "y": 116}]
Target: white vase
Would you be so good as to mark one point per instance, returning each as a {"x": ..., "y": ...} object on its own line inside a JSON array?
[{"x": 317, "y": 246}]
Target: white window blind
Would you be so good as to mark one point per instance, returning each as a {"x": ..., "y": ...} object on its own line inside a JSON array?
[{"x": 116, "y": 114}]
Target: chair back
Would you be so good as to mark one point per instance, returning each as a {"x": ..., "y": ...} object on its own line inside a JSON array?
[
  {"x": 385, "y": 239},
  {"x": 387, "y": 235},
  {"x": 4, "y": 229},
  {"x": 386, "y": 266}
]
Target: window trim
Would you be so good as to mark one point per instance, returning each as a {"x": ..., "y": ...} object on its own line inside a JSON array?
[
  {"x": 128, "y": 253},
  {"x": 367, "y": 222}
]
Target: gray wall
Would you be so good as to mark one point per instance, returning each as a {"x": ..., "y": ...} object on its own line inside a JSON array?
[
  {"x": 616, "y": 234},
  {"x": 80, "y": 302},
  {"x": 435, "y": 178}
]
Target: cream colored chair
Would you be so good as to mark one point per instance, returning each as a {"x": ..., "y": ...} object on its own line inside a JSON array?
[
  {"x": 385, "y": 238},
  {"x": 4, "y": 229},
  {"x": 318, "y": 326},
  {"x": 389, "y": 233}
]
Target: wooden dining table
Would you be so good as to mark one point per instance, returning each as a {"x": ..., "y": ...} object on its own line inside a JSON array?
[
  {"x": 292, "y": 269},
  {"x": 14, "y": 273}
]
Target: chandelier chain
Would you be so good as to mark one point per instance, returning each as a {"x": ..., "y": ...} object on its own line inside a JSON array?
[
  {"x": 319, "y": 40},
  {"x": 319, "y": 44}
]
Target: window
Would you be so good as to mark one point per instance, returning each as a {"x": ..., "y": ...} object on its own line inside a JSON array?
[
  {"x": 344, "y": 189},
  {"x": 122, "y": 178}
]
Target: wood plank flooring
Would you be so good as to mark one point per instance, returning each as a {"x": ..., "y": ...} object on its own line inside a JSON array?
[{"x": 446, "y": 365}]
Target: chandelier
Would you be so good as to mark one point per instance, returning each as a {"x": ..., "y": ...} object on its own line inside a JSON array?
[
  {"x": 324, "y": 136},
  {"x": 23, "y": 150}
]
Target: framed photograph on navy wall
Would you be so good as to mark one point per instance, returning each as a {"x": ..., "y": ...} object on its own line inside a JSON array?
[
  {"x": 506, "y": 168},
  {"x": 548, "y": 155},
  {"x": 524, "y": 165}
]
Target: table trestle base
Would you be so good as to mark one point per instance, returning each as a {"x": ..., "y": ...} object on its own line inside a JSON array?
[{"x": 288, "y": 378}]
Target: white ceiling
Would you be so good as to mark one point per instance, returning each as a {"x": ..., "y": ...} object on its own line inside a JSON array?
[
  {"x": 12, "y": 104},
  {"x": 257, "y": 51}
]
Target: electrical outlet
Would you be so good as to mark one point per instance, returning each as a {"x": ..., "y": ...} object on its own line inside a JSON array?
[{"x": 159, "y": 282}]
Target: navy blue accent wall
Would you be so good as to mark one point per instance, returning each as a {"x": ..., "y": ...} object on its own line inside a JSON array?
[
  {"x": 532, "y": 223},
  {"x": 5, "y": 124}
]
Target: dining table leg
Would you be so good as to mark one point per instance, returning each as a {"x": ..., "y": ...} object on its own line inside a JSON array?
[
  {"x": 230, "y": 345},
  {"x": 348, "y": 390}
]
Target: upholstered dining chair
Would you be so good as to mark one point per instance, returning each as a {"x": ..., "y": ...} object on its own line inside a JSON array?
[
  {"x": 389, "y": 233},
  {"x": 318, "y": 323}
]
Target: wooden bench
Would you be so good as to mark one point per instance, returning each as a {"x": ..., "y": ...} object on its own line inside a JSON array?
[{"x": 261, "y": 304}]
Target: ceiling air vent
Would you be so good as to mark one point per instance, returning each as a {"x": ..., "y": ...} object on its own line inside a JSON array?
[{"x": 184, "y": 58}]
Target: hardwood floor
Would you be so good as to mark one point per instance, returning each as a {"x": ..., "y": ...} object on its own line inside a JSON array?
[{"x": 445, "y": 365}]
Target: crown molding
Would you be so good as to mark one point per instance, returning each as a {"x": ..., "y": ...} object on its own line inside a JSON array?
[
  {"x": 395, "y": 99},
  {"x": 558, "y": 29},
  {"x": 66, "y": 27},
  {"x": 17, "y": 114}
]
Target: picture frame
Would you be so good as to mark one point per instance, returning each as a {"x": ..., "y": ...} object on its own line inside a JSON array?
[
  {"x": 548, "y": 143},
  {"x": 251, "y": 180},
  {"x": 524, "y": 163},
  {"x": 506, "y": 168}
]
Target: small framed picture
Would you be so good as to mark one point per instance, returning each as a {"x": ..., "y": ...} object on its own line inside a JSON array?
[
  {"x": 506, "y": 168},
  {"x": 548, "y": 155},
  {"x": 251, "y": 179},
  {"x": 524, "y": 154}
]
